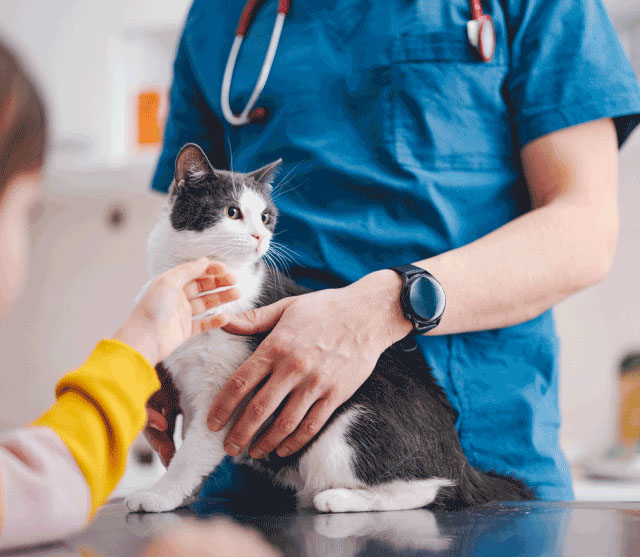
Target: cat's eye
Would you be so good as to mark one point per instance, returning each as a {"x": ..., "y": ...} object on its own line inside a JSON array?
[
  {"x": 266, "y": 217},
  {"x": 233, "y": 213}
]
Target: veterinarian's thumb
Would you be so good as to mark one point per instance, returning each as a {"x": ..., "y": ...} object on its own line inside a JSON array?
[{"x": 258, "y": 320}]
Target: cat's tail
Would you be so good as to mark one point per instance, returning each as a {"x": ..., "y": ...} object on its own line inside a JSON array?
[{"x": 477, "y": 488}]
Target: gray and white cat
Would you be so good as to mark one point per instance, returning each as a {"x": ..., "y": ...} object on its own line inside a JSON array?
[{"x": 392, "y": 446}]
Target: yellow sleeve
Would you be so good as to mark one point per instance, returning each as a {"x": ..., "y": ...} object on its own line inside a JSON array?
[{"x": 100, "y": 410}]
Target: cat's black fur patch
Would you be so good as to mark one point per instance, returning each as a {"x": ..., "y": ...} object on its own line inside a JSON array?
[{"x": 405, "y": 429}]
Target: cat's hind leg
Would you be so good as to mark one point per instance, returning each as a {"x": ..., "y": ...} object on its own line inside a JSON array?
[
  {"x": 330, "y": 482},
  {"x": 398, "y": 495}
]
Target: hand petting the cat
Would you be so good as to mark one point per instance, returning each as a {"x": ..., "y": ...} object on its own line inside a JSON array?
[
  {"x": 322, "y": 348},
  {"x": 162, "y": 320}
]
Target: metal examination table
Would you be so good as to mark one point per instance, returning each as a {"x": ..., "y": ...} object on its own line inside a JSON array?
[{"x": 532, "y": 528}]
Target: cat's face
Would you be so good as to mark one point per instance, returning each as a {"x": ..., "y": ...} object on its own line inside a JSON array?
[{"x": 226, "y": 215}]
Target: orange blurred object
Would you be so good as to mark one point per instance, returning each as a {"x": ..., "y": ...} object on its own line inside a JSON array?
[
  {"x": 149, "y": 129},
  {"x": 629, "y": 417}
]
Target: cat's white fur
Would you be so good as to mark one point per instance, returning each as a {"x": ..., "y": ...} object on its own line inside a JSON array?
[{"x": 325, "y": 476}]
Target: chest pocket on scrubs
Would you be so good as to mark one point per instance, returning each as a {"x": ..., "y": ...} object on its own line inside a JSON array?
[{"x": 447, "y": 108}]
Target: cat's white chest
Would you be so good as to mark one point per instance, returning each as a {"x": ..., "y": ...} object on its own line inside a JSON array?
[{"x": 203, "y": 364}]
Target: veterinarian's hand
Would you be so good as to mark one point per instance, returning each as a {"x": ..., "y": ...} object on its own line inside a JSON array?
[
  {"x": 162, "y": 409},
  {"x": 162, "y": 320},
  {"x": 323, "y": 346}
]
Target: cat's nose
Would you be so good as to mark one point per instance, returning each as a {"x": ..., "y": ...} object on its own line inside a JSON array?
[{"x": 257, "y": 237}]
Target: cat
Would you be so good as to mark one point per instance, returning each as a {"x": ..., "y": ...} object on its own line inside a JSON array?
[{"x": 392, "y": 446}]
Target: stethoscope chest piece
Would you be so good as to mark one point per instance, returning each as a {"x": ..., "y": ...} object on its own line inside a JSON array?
[
  {"x": 482, "y": 35},
  {"x": 481, "y": 32}
]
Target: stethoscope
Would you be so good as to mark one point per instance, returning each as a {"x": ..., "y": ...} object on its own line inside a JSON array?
[{"x": 480, "y": 33}]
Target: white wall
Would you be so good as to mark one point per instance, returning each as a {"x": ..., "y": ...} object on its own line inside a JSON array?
[
  {"x": 83, "y": 279},
  {"x": 97, "y": 56},
  {"x": 599, "y": 325}
]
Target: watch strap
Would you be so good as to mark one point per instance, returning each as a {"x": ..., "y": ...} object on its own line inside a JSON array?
[{"x": 406, "y": 272}]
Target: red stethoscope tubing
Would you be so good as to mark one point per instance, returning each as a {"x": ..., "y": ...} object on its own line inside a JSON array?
[
  {"x": 480, "y": 31},
  {"x": 476, "y": 9},
  {"x": 249, "y": 114},
  {"x": 250, "y": 10}
]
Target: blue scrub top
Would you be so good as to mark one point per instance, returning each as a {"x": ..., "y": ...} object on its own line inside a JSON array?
[{"x": 401, "y": 145}]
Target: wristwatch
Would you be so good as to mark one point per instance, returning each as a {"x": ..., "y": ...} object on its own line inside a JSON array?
[{"x": 422, "y": 300}]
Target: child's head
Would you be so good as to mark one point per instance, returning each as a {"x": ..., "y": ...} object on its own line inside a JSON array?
[{"x": 22, "y": 151}]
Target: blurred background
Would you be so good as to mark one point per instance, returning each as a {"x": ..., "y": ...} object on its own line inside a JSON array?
[{"x": 105, "y": 69}]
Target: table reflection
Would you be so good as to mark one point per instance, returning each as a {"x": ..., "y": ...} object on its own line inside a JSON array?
[{"x": 531, "y": 528}]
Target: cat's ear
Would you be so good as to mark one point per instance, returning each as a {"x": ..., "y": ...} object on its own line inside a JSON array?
[
  {"x": 191, "y": 164},
  {"x": 267, "y": 173}
]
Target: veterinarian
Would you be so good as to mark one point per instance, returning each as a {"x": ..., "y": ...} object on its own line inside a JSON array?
[{"x": 402, "y": 145}]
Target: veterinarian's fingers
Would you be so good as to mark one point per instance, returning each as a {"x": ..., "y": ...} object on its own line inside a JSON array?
[
  {"x": 203, "y": 303},
  {"x": 161, "y": 443},
  {"x": 262, "y": 406},
  {"x": 209, "y": 323},
  {"x": 206, "y": 283},
  {"x": 310, "y": 426},
  {"x": 286, "y": 422},
  {"x": 238, "y": 386},
  {"x": 156, "y": 420},
  {"x": 258, "y": 320}
]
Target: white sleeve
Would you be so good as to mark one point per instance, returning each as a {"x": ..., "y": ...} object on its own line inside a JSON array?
[{"x": 43, "y": 493}]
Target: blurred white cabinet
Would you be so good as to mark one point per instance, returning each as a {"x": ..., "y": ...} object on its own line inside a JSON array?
[
  {"x": 92, "y": 59},
  {"x": 88, "y": 263}
]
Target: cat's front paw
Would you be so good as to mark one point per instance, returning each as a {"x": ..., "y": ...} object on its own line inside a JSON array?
[{"x": 151, "y": 501}]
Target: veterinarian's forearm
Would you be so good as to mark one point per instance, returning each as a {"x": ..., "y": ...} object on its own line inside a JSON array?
[
  {"x": 564, "y": 244},
  {"x": 516, "y": 272},
  {"x": 522, "y": 269}
]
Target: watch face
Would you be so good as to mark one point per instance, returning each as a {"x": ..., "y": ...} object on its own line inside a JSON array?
[{"x": 427, "y": 298}]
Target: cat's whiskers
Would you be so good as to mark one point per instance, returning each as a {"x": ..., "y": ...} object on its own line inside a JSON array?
[
  {"x": 282, "y": 192},
  {"x": 275, "y": 271},
  {"x": 285, "y": 251},
  {"x": 233, "y": 179},
  {"x": 272, "y": 268},
  {"x": 281, "y": 263},
  {"x": 282, "y": 181}
]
